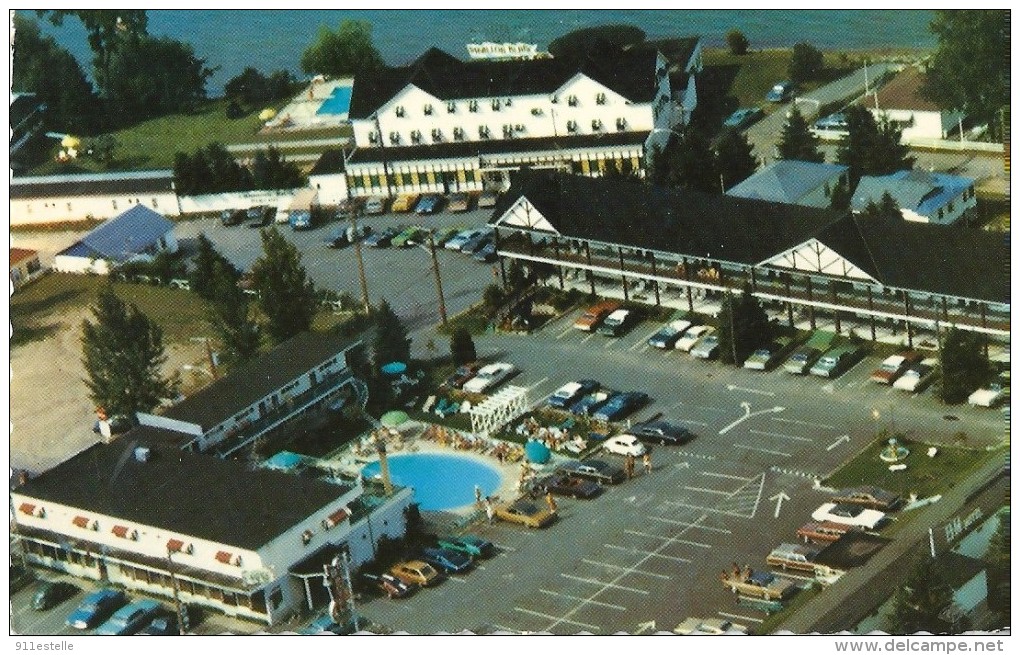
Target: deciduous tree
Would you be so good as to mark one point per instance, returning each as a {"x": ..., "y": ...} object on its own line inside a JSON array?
[
  {"x": 231, "y": 317},
  {"x": 123, "y": 354},
  {"x": 210, "y": 267},
  {"x": 797, "y": 141},
  {"x": 347, "y": 51},
  {"x": 737, "y": 42},
  {"x": 919, "y": 602},
  {"x": 286, "y": 295},
  {"x": 735, "y": 158},
  {"x": 963, "y": 365},
  {"x": 600, "y": 37},
  {"x": 806, "y": 64}
]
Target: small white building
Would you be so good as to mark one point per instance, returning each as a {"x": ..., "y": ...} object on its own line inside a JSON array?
[
  {"x": 93, "y": 196},
  {"x": 328, "y": 177},
  {"x": 138, "y": 233},
  {"x": 922, "y": 197},
  {"x": 900, "y": 102},
  {"x": 793, "y": 182}
]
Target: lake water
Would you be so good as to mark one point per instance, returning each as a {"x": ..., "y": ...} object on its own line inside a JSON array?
[{"x": 275, "y": 39}]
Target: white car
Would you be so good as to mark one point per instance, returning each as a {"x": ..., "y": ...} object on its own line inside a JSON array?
[
  {"x": 713, "y": 626},
  {"x": 458, "y": 241},
  {"x": 489, "y": 376},
  {"x": 917, "y": 376},
  {"x": 691, "y": 336},
  {"x": 849, "y": 515},
  {"x": 990, "y": 394},
  {"x": 624, "y": 444}
]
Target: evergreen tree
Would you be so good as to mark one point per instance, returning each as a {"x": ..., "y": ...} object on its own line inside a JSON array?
[
  {"x": 123, "y": 354},
  {"x": 735, "y": 158},
  {"x": 870, "y": 148},
  {"x": 231, "y": 317},
  {"x": 920, "y": 601},
  {"x": 286, "y": 295},
  {"x": 380, "y": 393},
  {"x": 797, "y": 141},
  {"x": 839, "y": 198},
  {"x": 462, "y": 347},
  {"x": 391, "y": 343},
  {"x": 743, "y": 326},
  {"x": 963, "y": 364},
  {"x": 998, "y": 560},
  {"x": 885, "y": 208},
  {"x": 690, "y": 163},
  {"x": 210, "y": 267}
]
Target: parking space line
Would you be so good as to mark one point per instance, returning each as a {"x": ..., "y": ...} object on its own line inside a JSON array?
[
  {"x": 586, "y": 601},
  {"x": 636, "y": 551},
  {"x": 603, "y": 584},
  {"x": 687, "y": 420},
  {"x": 766, "y": 433},
  {"x": 610, "y": 343},
  {"x": 588, "y": 338},
  {"x": 565, "y": 332},
  {"x": 702, "y": 508},
  {"x": 709, "y": 491},
  {"x": 503, "y": 628},
  {"x": 533, "y": 386},
  {"x": 624, "y": 568},
  {"x": 762, "y": 450},
  {"x": 724, "y": 475},
  {"x": 691, "y": 525},
  {"x": 453, "y": 579},
  {"x": 808, "y": 423},
  {"x": 741, "y": 617},
  {"x": 502, "y": 547},
  {"x": 559, "y": 619}
]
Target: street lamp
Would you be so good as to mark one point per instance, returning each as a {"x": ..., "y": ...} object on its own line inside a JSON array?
[{"x": 182, "y": 615}]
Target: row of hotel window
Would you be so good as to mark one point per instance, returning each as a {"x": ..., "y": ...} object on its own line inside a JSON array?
[
  {"x": 496, "y": 104},
  {"x": 128, "y": 201},
  {"x": 484, "y": 132}
]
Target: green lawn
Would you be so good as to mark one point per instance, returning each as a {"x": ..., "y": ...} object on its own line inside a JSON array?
[{"x": 925, "y": 476}]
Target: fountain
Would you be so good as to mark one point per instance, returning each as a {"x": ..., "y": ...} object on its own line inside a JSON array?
[{"x": 893, "y": 452}]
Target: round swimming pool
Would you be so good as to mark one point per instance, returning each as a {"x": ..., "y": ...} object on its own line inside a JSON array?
[{"x": 439, "y": 481}]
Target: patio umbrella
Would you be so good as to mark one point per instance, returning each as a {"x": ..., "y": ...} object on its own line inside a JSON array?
[
  {"x": 394, "y": 418},
  {"x": 537, "y": 452},
  {"x": 393, "y": 368},
  {"x": 267, "y": 114},
  {"x": 70, "y": 142}
]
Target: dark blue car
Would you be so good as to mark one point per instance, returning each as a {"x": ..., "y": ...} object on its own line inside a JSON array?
[
  {"x": 96, "y": 608},
  {"x": 587, "y": 405},
  {"x": 620, "y": 405},
  {"x": 449, "y": 561},
  {"x": 468, "y": 544}
]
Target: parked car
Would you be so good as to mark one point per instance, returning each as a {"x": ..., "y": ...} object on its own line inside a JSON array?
[
  {"x": 323, "y": 623},
  {"x": 835, "y": 361},
  {"x": 590, "y": 403},
  {"x": 780, "y": 92},
  {"x": 95, "y": 608},
  {"x": 768, "y": 355},
  {"x": 595, "y": 314},
  {"x": 375, "y": 205},
  {"x": 448, "y": 561},
  {"x": 443, "y": 235},
  {"x": 869, "y": 496},
  {"x": 52, "y": 593},
  {"x": 487, "y": 253},
  {"x": 849, "y": 514},
  {"x": 416, "y": 572},
  {"x": 825, "y": 531},
  {"x": 832, "y": 126},
  {"x": 526, "y": 512},
  {"x": 460, "y": 202},
  {"x": 692, "y": 336},
  {"x": 801, "y": 360},
  {"x": 759, "y": 584},
  {"x": 487, "y": 199},
  {"x": 742, "y": 118},
  {"x": 260, "y": 216},
  {"x": 669, "y": 334},
  {"x": 382, "y": 239},
  {"x": 712, "y": 626},
  {"x": 799, "y": 557},
  {"x": 571, "y": 392},
  {"x": 231, "y": 217},
  {"x": 894, "y": 366},
  {"x": 661, "y": 432},
  {"x": 616, "y": 323},
  {"x": 131, "y": 618},
  {"x": 463, "y": 373},
  {"x": 707, "y": 347},
  {"x": 620, "y": 405},
  {"x": 468, "y": 544},
  {"x": 162, "y": 625},
  {"x": 917, "y": 377},
  {"x": 345, "y": 235},
  {"x": 457, "y": 242},
  {"x": 990, "y": 394},
  {"x": 477, "y": 242},
  {"x": 489, "y": 376},
  {"x": 593, "y": 469},
  {"x": 624, "y": 444},
  {"x": 404, "y": 203},
  {"x": 429, "y": 204},
  {"x": 408, "y": 237},
  {"x": 564, "y": 484},
  {"x": 388, "y": 584}
]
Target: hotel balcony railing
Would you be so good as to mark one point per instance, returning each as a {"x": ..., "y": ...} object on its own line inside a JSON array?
[{"x": 797, "y": 292}]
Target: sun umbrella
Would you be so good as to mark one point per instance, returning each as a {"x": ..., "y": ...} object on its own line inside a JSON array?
[
  {"x": 393, "y": 368},
  {"x": 70, "y": 142},
  {"x": 394, "y": 418},
  {"x": 267, "y": 114},
  {"x": 537, "y": 452}
]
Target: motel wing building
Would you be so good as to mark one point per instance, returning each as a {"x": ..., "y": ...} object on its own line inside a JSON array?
[
  {"x": 620, "y": 237},
  {"x": 444, "y": 125}
]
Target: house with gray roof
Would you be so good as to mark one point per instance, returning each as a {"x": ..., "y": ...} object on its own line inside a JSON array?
[
  {"x": 137, "y": 234},
  {"x": 793, "y": 182},
  {"x": 921, "y": 196}
]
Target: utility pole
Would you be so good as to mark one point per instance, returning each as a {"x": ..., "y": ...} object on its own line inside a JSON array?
[
  {"x": 361, "y": 262},
  {"x": 733, "y": 331},
  {"x": 439, "y": 280}
]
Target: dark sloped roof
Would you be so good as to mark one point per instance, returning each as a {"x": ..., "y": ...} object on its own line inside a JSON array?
[
  {"x": 128, "y": 234},
  {"x": 629, "y": 73},
  {"x": 677, "y": 52},
  {"x": 668, "y": 220},
  {"x": 457, "y": 149},
  {"x": 73, "y": 186},
  {"x": 198, "y": 495},
  {"x": 258, "y": 378},
  {"x": 331, "y": 161},
  {"x": 951, "y": 260}
]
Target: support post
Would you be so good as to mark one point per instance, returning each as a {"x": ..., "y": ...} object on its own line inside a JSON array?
[
  {"x": 835, "y": 301},
  {"x": 623, "y": 277},
  {"x": 789, "y": 302},
  {"x": 439, "y": 279},
  {"x": 687, "y": 276},
  {"x": 559, "y": 267},
  {"x": 655, "y": 281},
  {"x": 591, "y": 276},
  {"x": 984, "y": 324},
  {"x": 906, "y": 312},
  {"x": 871, "y": 313},
  {"x": 811, "y": 308}
]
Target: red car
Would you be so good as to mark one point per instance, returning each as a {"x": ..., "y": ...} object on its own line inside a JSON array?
[{"x": 462, "y": 375}]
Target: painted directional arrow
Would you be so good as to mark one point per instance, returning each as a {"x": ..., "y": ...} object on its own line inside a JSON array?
[
  {"x": 733, "y": 387},
  {"x": 748, "y": 414},
  {"x": 683, "y": 465},
  {"x": 647, "y": 626},
  {"x": 845, "y": 437},
  {"x": 779, "y": 498}
]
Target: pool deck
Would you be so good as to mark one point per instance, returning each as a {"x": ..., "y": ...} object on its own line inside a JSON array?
[{"x": 299, "y": 114}]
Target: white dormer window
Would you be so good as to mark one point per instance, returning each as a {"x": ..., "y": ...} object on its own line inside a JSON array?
[
  {"x": 373, "y": 137},
  {"x": 496, "y": 104},
  {"x": 537, "y": 111},
  {"x": 399, "y": 111},
  {"x": 473, "y": 106},
  {"x": 451, "y": 107},
  {"x": 555, "y": 100},
  {"x": 437, "y": 135},
  {"x": 600, "y": 98},
  {"x": 571, "y": 126},
  {"x": 394, "y": 138},
  {"x": 458, "y": 134},
  {"x": 415, "y": 136},
  {"x": 596, "y": 125},
  {"x": 483, "y": 132},
  {"x": 621, "y": 124},
  {"x": 572, "y": 101},
  {"x": 428, "y": 110},
  {"x": 508, "y": 131},
  {"x": 509, "y": 102}
]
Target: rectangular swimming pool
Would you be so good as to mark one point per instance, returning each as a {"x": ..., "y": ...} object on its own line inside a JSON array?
[{"x": 338, "y": 102}]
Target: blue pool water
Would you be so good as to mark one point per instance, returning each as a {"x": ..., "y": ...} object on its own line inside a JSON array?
[
  {"x": 338, "y": 102},
  {"x": 439, "y": 481}
]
